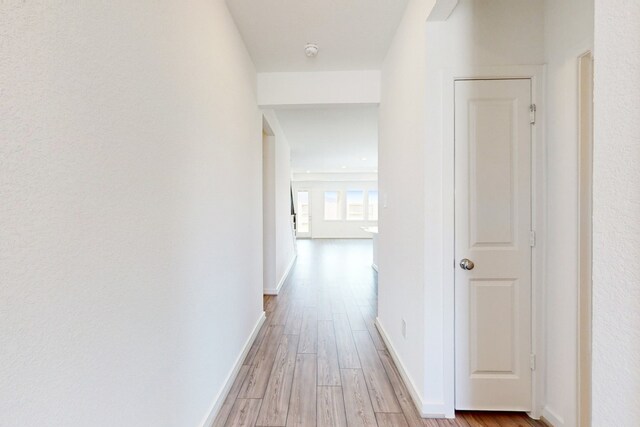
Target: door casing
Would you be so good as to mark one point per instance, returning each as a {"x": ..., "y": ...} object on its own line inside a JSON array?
[
  {"x": 538, "y": 202},
  {"x": 309, "y": 234},
  {"x": 585, "y": 236}
]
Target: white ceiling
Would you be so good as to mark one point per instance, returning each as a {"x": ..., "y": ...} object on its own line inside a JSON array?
[
  {"x": 324, "y": 140},
  {"x": 351, "y": 34}
]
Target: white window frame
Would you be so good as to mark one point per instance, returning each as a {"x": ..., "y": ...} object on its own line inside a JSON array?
[
  {"x": 364, "y": 205},
  {"x": 339, "y": 209},
  {"x": 368, "y": 217}
]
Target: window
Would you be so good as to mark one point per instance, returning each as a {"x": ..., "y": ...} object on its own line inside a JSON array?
[
  {"x": 331, "y": 205},
  {"x": 355, "y": 205},
  {"x": 303, "y": 212},
  {"x": 373, "y": 205}
]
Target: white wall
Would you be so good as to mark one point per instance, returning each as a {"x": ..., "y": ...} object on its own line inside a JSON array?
[
  {"x": 509, "y": 33},
  {"x": 488, "y": 33},
  {"x": 482, "y": 34},
  {"x": 401, "y": 180},
  {"x": 280, "y": 250},
  {"x": 338, "y": 229},
  {"x": 285, "y": 237},
  {"x": 269, "y": 281},
  {"x": 616, "y": 279},
  {"x": 568, "y": 34},
  {"x": 130, "y": 226}
]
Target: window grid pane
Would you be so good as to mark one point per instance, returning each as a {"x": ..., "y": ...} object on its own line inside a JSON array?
[
  {"x": 331, "y": 206},
  {"x": 373, "y": 206},
  {"x": 355, "y": 205}
]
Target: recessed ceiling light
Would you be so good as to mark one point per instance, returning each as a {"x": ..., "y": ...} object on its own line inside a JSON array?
[
  {"x": 364, "y": 159},
  {"x": 308, "y": 171},
  {"x": 344, "y": 167},
  {"x": 311, "y": 50}
]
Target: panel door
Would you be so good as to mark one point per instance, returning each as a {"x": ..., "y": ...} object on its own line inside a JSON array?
[{"x": 492, "y": 232}]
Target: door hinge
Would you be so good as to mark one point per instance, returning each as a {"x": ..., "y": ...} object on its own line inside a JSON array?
[
  {"x": 532, "y": 238},
  {"x": 532, "y": 360},
  {"x": 532, "y": 111}
]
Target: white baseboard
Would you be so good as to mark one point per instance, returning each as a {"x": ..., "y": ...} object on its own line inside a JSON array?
[
  {"x": 550, "y": 417},
  {"x": 222, "y": 395},
  {"x": 276, "y": 291},
  {"x": 426, "y": 410}
]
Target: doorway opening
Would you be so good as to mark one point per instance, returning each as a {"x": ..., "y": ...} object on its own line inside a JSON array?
[
  {"x": 498, "y": 167},
  {"x": 333, "y": 169},
  {"x": 320, "y": 183},
  {"x": 493, "y": 142}
]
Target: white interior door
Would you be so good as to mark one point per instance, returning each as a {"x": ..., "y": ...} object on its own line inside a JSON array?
[
  {"x": 303, "y": 214},
  {"x": 493, "y": 231}
]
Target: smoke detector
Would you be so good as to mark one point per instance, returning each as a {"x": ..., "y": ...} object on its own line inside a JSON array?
[{"x": 311, "y": 50}]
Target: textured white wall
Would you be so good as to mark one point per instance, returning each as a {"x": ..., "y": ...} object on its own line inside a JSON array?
[
  {"x": 568, "y": 34},
  {"x": 279, "y": 240},
  {"x": 401, "y": 183},
  {"x": 488, "y": 33},
  {"x": 130, "y": 227},
  {"x": 285, "y": 238},
  {"x": 269, "y": 213},
  {"x": 616, "y": 277},
  {"x": 496, "y": 32}
]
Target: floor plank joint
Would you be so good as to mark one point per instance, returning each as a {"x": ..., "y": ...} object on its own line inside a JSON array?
[{"x": 319, "y": 359}]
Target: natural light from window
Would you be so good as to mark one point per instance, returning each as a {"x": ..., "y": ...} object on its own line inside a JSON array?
[
  {"x": 303, "y": 212},
  {"x": 373, "y": 205},
  {"x": 331, "y": 206},
  {"x": 355, "y": 205}
]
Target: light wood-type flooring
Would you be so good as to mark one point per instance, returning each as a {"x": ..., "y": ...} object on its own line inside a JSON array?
[{"x": 319, "y": 359}]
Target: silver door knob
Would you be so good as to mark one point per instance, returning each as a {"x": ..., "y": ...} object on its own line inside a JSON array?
[{"x": 466, "y": 264}]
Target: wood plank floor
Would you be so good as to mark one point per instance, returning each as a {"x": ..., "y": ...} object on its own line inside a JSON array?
[{"x": 319, "y": 359}]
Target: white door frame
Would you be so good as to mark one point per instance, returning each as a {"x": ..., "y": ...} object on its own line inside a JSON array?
[
  {"x": 538, "y": 207},
  {"x": 585, "y": 236},
  {"x": 295, "y": 193}
]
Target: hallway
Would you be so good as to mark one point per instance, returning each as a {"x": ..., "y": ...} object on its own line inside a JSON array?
[
  {"x": 319, "y": 359},
  {"x": 158, "y": 160}
]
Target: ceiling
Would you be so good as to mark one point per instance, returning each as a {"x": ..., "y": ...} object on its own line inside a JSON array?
[
  {"x": 351, "y": 34},
  {"x": 332, "y": 139}
]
